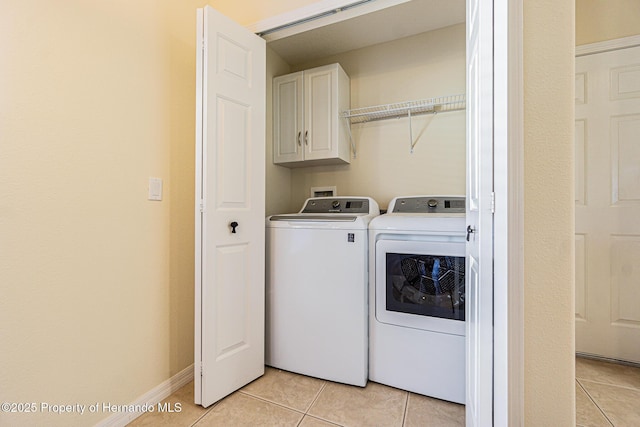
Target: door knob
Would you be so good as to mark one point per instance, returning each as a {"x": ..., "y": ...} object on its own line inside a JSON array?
[
  {"x": 233, "y": 226},
  {"x": 469, "y": 231}
]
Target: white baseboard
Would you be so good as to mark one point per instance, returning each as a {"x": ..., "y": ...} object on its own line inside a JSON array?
[{"x": 150, "y": 398}]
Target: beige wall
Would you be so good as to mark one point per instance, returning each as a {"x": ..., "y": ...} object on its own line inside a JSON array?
[
  {"x": 600, "y": 20},
  {"x": 249, "y": 12},
  {"x": 549, "y": 215},
  {"x": 97, "y": 282},
  {"x": 424, "y": 66}
]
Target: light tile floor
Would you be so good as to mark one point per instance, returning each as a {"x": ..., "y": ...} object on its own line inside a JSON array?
[
  {"x": 607, "y": 394},
  {"x": 281, "y": 398}
]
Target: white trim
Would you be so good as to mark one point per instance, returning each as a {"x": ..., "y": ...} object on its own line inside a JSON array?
[
  {"x": 294, "y": 15},
  {"x": 607, "y": 359},
  {"x": 199, "y": 199},
  {"x": 150, "y": 398},
  {"x": 318, "y": 8},
  {"x": 605, "y": 46},
  {"x": 509, "y": 215}
]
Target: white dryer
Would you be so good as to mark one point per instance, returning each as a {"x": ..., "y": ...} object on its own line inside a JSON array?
[
  {"x": 317, "y": 286},
  {"x": 417, "y": 296}
]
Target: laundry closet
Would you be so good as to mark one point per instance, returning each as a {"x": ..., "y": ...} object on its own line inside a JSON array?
[
  {"x": 376, "y": 121},
  {"x": 386, "y": 59},
  {"x": 424, "y": 154}
]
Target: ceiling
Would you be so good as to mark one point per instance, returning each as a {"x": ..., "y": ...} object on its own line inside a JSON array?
[{"x": 391, "y": 23}]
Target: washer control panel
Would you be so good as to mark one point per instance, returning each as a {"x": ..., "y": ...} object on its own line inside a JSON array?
[
  {"x": 429, "y": 204},
  {"x": 336, "y": 205}
]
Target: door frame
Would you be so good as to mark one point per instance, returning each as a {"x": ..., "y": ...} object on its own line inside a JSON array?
[
  {"x": 508, "y": 176},
  {"x": 605, "y": 46}
]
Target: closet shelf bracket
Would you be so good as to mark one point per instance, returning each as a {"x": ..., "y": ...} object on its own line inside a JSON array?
[
  {"x": 403, "y": 109},
  {"x": 412, "y": 141},
  {"x": 353, "y": 145}
]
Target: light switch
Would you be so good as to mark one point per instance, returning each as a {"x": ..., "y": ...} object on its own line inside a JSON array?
[{"x": 155, "y": 189}]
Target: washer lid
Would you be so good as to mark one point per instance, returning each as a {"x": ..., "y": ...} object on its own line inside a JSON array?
[
  {"x": 345, "y": 212},
  {"x": 319, "y": 222},
  {"x": 450, "y": 225},
  {"x": 314, "y": 218}
]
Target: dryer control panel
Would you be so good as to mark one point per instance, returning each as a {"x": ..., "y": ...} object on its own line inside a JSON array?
[
  {"x": 429, "y": 204},
  {"x": 348, "y": 205}
]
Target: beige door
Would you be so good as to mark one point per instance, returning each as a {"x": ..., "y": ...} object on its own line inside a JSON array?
[
  {"x": 608, "y": 204},
  {"x": 230, "y": 207}
]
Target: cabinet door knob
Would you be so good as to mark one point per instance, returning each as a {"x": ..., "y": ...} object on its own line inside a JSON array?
[
  {"x": 233, "y": 226},
  {"x": 306, "y": 137},
  {"x": 299, "y": 138}
]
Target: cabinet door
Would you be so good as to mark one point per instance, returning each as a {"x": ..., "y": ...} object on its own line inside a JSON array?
[
  {"x": 321, "y": 113},
  {"x": 288, "y": 118}
]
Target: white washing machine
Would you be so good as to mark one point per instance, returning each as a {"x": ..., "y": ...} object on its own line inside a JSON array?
[
  {"x": 416, "y": 300},
  {"x": 317, "y": 289}
]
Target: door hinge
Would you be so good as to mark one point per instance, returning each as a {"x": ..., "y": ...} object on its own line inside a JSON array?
[
  {"x": 493, "y": 202},
  {"x": 201, "y": 371},
  {"x": 201, "y": 205}
]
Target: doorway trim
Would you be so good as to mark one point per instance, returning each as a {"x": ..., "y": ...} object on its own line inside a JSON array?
[
  {"x": 508, "y": 174},
  {"x": 605, "y": 46}
]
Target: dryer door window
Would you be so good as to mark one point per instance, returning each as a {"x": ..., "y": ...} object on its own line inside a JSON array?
[
  {"x": 420, "y": 284},
  {"x": 426, "y": 285}
]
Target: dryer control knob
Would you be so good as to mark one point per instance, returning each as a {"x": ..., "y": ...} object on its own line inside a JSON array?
[
  {"x": 432, "y": 203},
  {"x": 335, "y": 204}
]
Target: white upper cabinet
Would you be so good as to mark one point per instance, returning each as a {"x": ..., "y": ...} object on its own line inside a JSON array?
[{"x": 307, "y": 128}]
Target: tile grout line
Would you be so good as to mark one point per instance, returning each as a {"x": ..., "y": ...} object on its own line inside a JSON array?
[
  {"x": 318, "y": 417},
  {"x": 271, "y": 402},
  {"x": 306, "y": 412},
  {"x": 406, "y": 410},
  {"x": 314, "y": 401},
  {"x": 315, "y": 398},
  {"x": 594, "y": 402},
  {"x": 205, "y": 413},
  {"x": 608, "y": 384}
]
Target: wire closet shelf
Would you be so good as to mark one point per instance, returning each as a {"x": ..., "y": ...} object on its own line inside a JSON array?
[{"x": 407, "y": 108}]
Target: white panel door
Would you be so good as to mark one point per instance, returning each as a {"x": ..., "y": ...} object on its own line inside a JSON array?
[
  {"x": 230, "y": 207},
  {"x": 608, "y": 204},
  {"x": 479, "y": 251}
]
